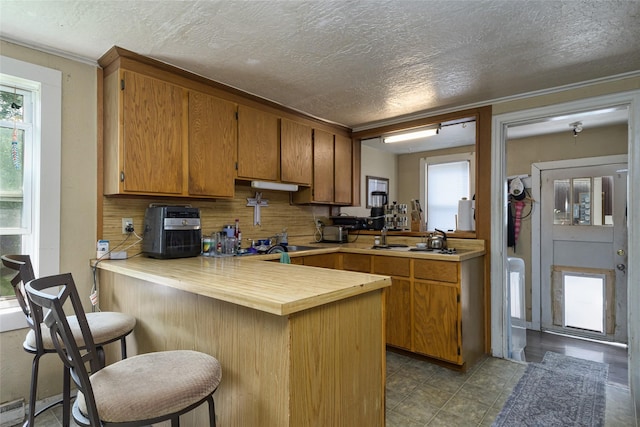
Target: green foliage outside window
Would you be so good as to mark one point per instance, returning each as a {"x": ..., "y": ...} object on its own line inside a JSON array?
[{"x": 11, "y": 179}]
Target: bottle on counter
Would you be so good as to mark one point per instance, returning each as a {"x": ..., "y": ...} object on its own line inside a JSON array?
[{"x": 238, "y": 234}]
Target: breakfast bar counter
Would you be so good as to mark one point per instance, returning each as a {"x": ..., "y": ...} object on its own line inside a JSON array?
[{"x": 298, "y": 345}]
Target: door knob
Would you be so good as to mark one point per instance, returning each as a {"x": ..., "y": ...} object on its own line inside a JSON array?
[
  {"x": 620, "y": 252},
  {"x": 621, "y": 267}
]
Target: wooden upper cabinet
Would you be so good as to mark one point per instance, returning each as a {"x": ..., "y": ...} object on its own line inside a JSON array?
[
  {"x": 170, "y": 133},
  {"x": 323, "y": 167},
  {"x": 296, "y": 152},
  {"x": 332, "y": 171},
  {"x": 213, "y": 136},
  {"x": 145, "y": 143},
  {"x": 258, "y": 144},
  {"x": 343, "y": 170}
]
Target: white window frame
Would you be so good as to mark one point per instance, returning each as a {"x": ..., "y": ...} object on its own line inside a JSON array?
[
  {"x": 47, "y": 141},
  {"x": 448, "y": 158}
]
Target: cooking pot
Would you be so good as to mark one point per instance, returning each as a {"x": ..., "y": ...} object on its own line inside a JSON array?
[{"x": 438, "y": 241}]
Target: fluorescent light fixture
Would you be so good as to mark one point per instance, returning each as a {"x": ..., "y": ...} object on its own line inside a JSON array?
[
  {"x": 411, "y": 135},
  {"x": 277, "y": 186}
]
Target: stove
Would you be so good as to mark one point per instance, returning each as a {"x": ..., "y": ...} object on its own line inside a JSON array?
[{"x": 448, "y": 251}]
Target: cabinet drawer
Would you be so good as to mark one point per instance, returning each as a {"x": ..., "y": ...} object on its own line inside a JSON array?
[
  {"x": 442, "y": 271},
  {"x": 391, "y": 266},
  {"x": 356, "y": 262},
  {"x": 323, "y": 260}
]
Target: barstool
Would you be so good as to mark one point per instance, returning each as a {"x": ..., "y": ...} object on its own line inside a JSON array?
[
  {"x": 106, "y": 327},
  {"x": 141, "y": 390}
]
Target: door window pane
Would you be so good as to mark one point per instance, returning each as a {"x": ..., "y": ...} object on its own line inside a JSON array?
[
  {"x": 562, "y": 211},
  {"x": 583, "y": 201}
]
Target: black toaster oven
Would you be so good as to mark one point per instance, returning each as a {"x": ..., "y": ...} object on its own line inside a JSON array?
[{"x": 171, "y": 232}]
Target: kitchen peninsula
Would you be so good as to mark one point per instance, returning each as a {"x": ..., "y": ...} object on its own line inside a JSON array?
[
  {"x": 298, "y": 345},
  {"x": 304, "y": 343}
]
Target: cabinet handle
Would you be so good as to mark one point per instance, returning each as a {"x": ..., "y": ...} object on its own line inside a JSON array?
[{"x": 121, "y": 176}]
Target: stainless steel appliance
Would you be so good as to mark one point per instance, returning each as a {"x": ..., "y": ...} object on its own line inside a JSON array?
[
  {"x": 334, "y": 233},
  {"x": 171, "y": 232},
  {"x": 350, "y": 222},
  {"x": 378, "y": 202},
  {"x": 438, "y": 241}
]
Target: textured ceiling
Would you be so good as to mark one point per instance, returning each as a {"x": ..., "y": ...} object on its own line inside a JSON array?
[{"x": 355, "y": 63}]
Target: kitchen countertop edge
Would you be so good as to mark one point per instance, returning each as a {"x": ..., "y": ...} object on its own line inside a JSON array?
[{"x": 233, "y": 279}]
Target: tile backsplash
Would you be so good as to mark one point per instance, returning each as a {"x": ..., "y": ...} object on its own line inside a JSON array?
[{"x": 279, "y": 214}]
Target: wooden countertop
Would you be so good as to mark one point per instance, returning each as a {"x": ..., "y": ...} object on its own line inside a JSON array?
[
  {"x": 465, "y": 248},
  {"x": 271, "y": 287}
]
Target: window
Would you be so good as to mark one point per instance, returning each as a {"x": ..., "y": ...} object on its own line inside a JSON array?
[
  {"x": 446, "y": 180},
  {"x": 16, "y": 173},
  {"x": 30, "y": 154}
]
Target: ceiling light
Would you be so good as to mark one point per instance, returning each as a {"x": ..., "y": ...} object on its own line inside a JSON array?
[
  {"x": 278, "y": 186},
  {"x": 412, "y": 135}
]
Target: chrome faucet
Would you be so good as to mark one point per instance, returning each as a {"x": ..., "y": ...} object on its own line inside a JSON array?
[{"x": 383, "y": 236}]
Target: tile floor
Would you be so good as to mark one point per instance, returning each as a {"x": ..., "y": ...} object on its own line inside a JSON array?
[{"x": 420, "y": 393}]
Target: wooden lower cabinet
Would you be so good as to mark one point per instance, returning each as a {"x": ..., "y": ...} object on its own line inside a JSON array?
[
  {"x": 397, "y": 299},
  {"x": 436, "y": 320},
  {"x": 433, "y": 307},
  {"x": 398, "y": 316},
  {"x": 356, "y": 262},
  {"x": 322, "y": 260},
  {"x": 323, "y": 366},
  {"x": 448, "y": 316}
]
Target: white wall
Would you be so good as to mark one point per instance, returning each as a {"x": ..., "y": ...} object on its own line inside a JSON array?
[
  {"x": 78, "y": 194},
  {"x": 378, "y": 163}
]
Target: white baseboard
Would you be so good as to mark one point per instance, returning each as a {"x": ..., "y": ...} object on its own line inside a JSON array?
[{"x": 12, "y": 413}]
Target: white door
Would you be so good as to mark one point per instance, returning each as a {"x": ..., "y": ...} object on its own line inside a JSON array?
[{"x": 583, "y": 251}]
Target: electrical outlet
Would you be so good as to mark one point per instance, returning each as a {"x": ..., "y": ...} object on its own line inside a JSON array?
[{"x": 125, "y": 223}]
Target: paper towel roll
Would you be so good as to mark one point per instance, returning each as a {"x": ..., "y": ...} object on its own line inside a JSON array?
[{"x": 465, "y": 215}]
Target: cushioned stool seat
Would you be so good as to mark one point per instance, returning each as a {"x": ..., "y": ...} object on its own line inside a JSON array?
[
  {"x": 105, "y": 326},
  {"x": 137, "y": 391},
  {"x": 152, "y": 385}
]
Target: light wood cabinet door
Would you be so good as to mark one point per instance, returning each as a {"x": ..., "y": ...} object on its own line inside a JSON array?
[
  {"x": 441, "y": 271},
  {"x": 323, "y": 166},
  {"x": 436, "y": 318},
  {"x": 356, "y": 262},
  {"x": 258, "y": 144},
  {"x": 392, "y": 266},
  {"x": 398, "y": 313},
  {"x": 213, "y": 137},
  {"x": 343, "y": 170},
  {"x": 152, "y": 129},
  {"x": 296, "y": 152},
  {"x": 322, "y": 260}
]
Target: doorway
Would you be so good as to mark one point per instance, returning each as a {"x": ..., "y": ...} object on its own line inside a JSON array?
[
  {"x": 499, "y": 306},
  {"x": 580, "y": 240}
]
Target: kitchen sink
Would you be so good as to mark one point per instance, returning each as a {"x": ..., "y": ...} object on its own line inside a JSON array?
[
  {"x": 393, "y": 246},
  {"x": 297, "y": 248}
]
